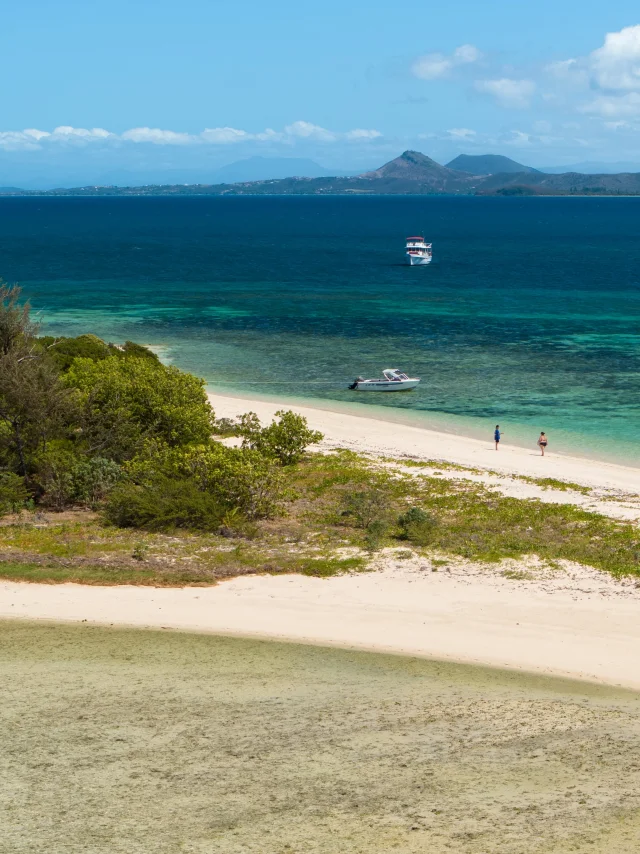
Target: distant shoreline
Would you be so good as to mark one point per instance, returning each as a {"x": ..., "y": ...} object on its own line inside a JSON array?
[
  {"x": 344, "y": 195},
  {"x": 412, "y": 173}
]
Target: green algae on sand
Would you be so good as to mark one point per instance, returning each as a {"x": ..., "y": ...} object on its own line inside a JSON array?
[{"x": 136, "y": 741}]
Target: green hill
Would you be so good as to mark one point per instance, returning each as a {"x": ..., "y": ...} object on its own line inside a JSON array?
[{"x": 487, "y": 164}]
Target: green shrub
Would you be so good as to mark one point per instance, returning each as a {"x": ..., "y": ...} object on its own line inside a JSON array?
[
  {"x": 286, "y": 439},
  {"x": 13, "y": 493},
  {"x": 54, "y": 475},
  {"x": 375, "y": 534},
  {"x": 163, "y": 505},
  {"x": 140, "y": 551},
  {"x": 63, "y": 351},
  {"x": 365, "y": 506},
  {"x": 245, "y": 479},
  {"x": 125, "y": 401},
  {"x": 66, "y": 479},
  {"x": 235, "y": 524},
  {"x": 137, "y": 351},
  {"x": 93, "y": 479},
  {"x": 417, "y": 526}
]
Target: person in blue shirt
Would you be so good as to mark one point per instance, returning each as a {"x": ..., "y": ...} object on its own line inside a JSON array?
[{"x": 496, "y": 435}]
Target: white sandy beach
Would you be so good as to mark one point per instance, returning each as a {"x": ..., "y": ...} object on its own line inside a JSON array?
[
  {"x": 365, "y": 434},
  {"x": 575, "y": 622}
]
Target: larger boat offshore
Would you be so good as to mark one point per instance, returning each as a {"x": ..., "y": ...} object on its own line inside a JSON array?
[{"x": 418, "y": 252}]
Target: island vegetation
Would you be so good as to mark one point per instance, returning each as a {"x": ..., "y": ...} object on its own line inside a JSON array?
[{"x": 113, "y": 468}]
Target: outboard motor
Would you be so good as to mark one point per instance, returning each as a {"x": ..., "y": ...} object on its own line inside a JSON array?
[{"x": 354, "y": 384}]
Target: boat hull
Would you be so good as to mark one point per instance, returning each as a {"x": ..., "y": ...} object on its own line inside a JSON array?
[
  {"x": 403, "y": 385},
  {"x": 419, "y": 260}
]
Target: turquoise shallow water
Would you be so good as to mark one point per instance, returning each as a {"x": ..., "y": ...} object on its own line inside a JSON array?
[{"x": 529, "y": 315}]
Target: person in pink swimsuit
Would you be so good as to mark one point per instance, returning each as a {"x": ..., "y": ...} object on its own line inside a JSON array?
[{"x": 542, "y": 442}]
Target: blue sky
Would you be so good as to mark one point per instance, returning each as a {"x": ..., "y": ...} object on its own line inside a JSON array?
[{"x": 96, "y": 90}]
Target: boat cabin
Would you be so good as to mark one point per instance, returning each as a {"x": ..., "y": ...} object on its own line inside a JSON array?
[
  {"x": 417, "y": 246},
  {"x": 394, "y": 375}
]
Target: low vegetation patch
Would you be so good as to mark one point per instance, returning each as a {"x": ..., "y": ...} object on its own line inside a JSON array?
[{"x": 555, "y": 483}]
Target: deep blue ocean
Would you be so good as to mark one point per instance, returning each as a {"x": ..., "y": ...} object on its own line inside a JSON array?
[{"x": 529, "y": 315}]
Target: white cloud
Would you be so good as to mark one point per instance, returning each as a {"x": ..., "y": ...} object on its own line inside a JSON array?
[
  {"x": 32, "y": 138},
  {"x": 613, "y": 106},
  {"x": 568, "y": 72},
  {"x": 519, "y": 139},
  {"x": 66, "y": 132},
  {"x": 431, "y": 66},
  {"x": 508, "y": 92},
  {"x": 12, "y": 140},
  {"x": 34, "y": 133},
  {"x": 157, "y": 136},
  {"x": 461, "y": 133},
  {"x": 466, "y": 54},
  {"x": 612, "y": 72},
  {"x": 362, "y": 133},
  {"x": 269, "y": 135},
  {"x": 223, "y": 136},
  {"x": 616, "y": 65},
  {"x": 306, "y": 130}
]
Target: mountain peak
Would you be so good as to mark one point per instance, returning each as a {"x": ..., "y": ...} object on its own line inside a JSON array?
[{"x": 411, "y": 164}]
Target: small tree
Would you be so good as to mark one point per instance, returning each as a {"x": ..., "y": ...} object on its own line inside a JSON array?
[
  {"x": 286, "y": 439},
  {"x": 417, "y": 526},
  {"x": 16, "y": 326},
  {"x": 34, "y": 406},
  {"x": 366, "y": 506},
  {"x": 13, "y": 493}
]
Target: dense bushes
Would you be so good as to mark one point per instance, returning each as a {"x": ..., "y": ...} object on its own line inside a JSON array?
[
  {"x": 63, "y": 351},
  {"x": 163, "y": 504},
  {"x": 84, "y": 422},
  {"x": 240, "y": 478},
  {"x": 124, "y": 401},
  {"x": 64, "y": 479}
]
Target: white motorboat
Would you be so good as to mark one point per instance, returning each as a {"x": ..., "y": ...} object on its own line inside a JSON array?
[
  {"x": 418, "y": 252},
  {"x": 392, "y": 380}
]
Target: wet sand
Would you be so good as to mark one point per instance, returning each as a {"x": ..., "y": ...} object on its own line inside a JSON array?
[{"x": 121, "y": 740}]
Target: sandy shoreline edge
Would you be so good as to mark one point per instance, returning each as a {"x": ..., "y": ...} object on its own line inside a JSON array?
[{"x": 586, "y": 630}]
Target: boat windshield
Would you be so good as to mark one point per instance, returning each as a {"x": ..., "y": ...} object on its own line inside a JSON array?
[{"x": 394, "y": 375}]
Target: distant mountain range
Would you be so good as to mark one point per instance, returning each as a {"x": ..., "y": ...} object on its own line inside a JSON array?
[
  {"x": 412, "y": 173},
  {"x": 268, "y": 168}
]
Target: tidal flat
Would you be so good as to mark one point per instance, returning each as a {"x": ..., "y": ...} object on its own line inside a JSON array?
[{"x": 122, "y": 740}]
